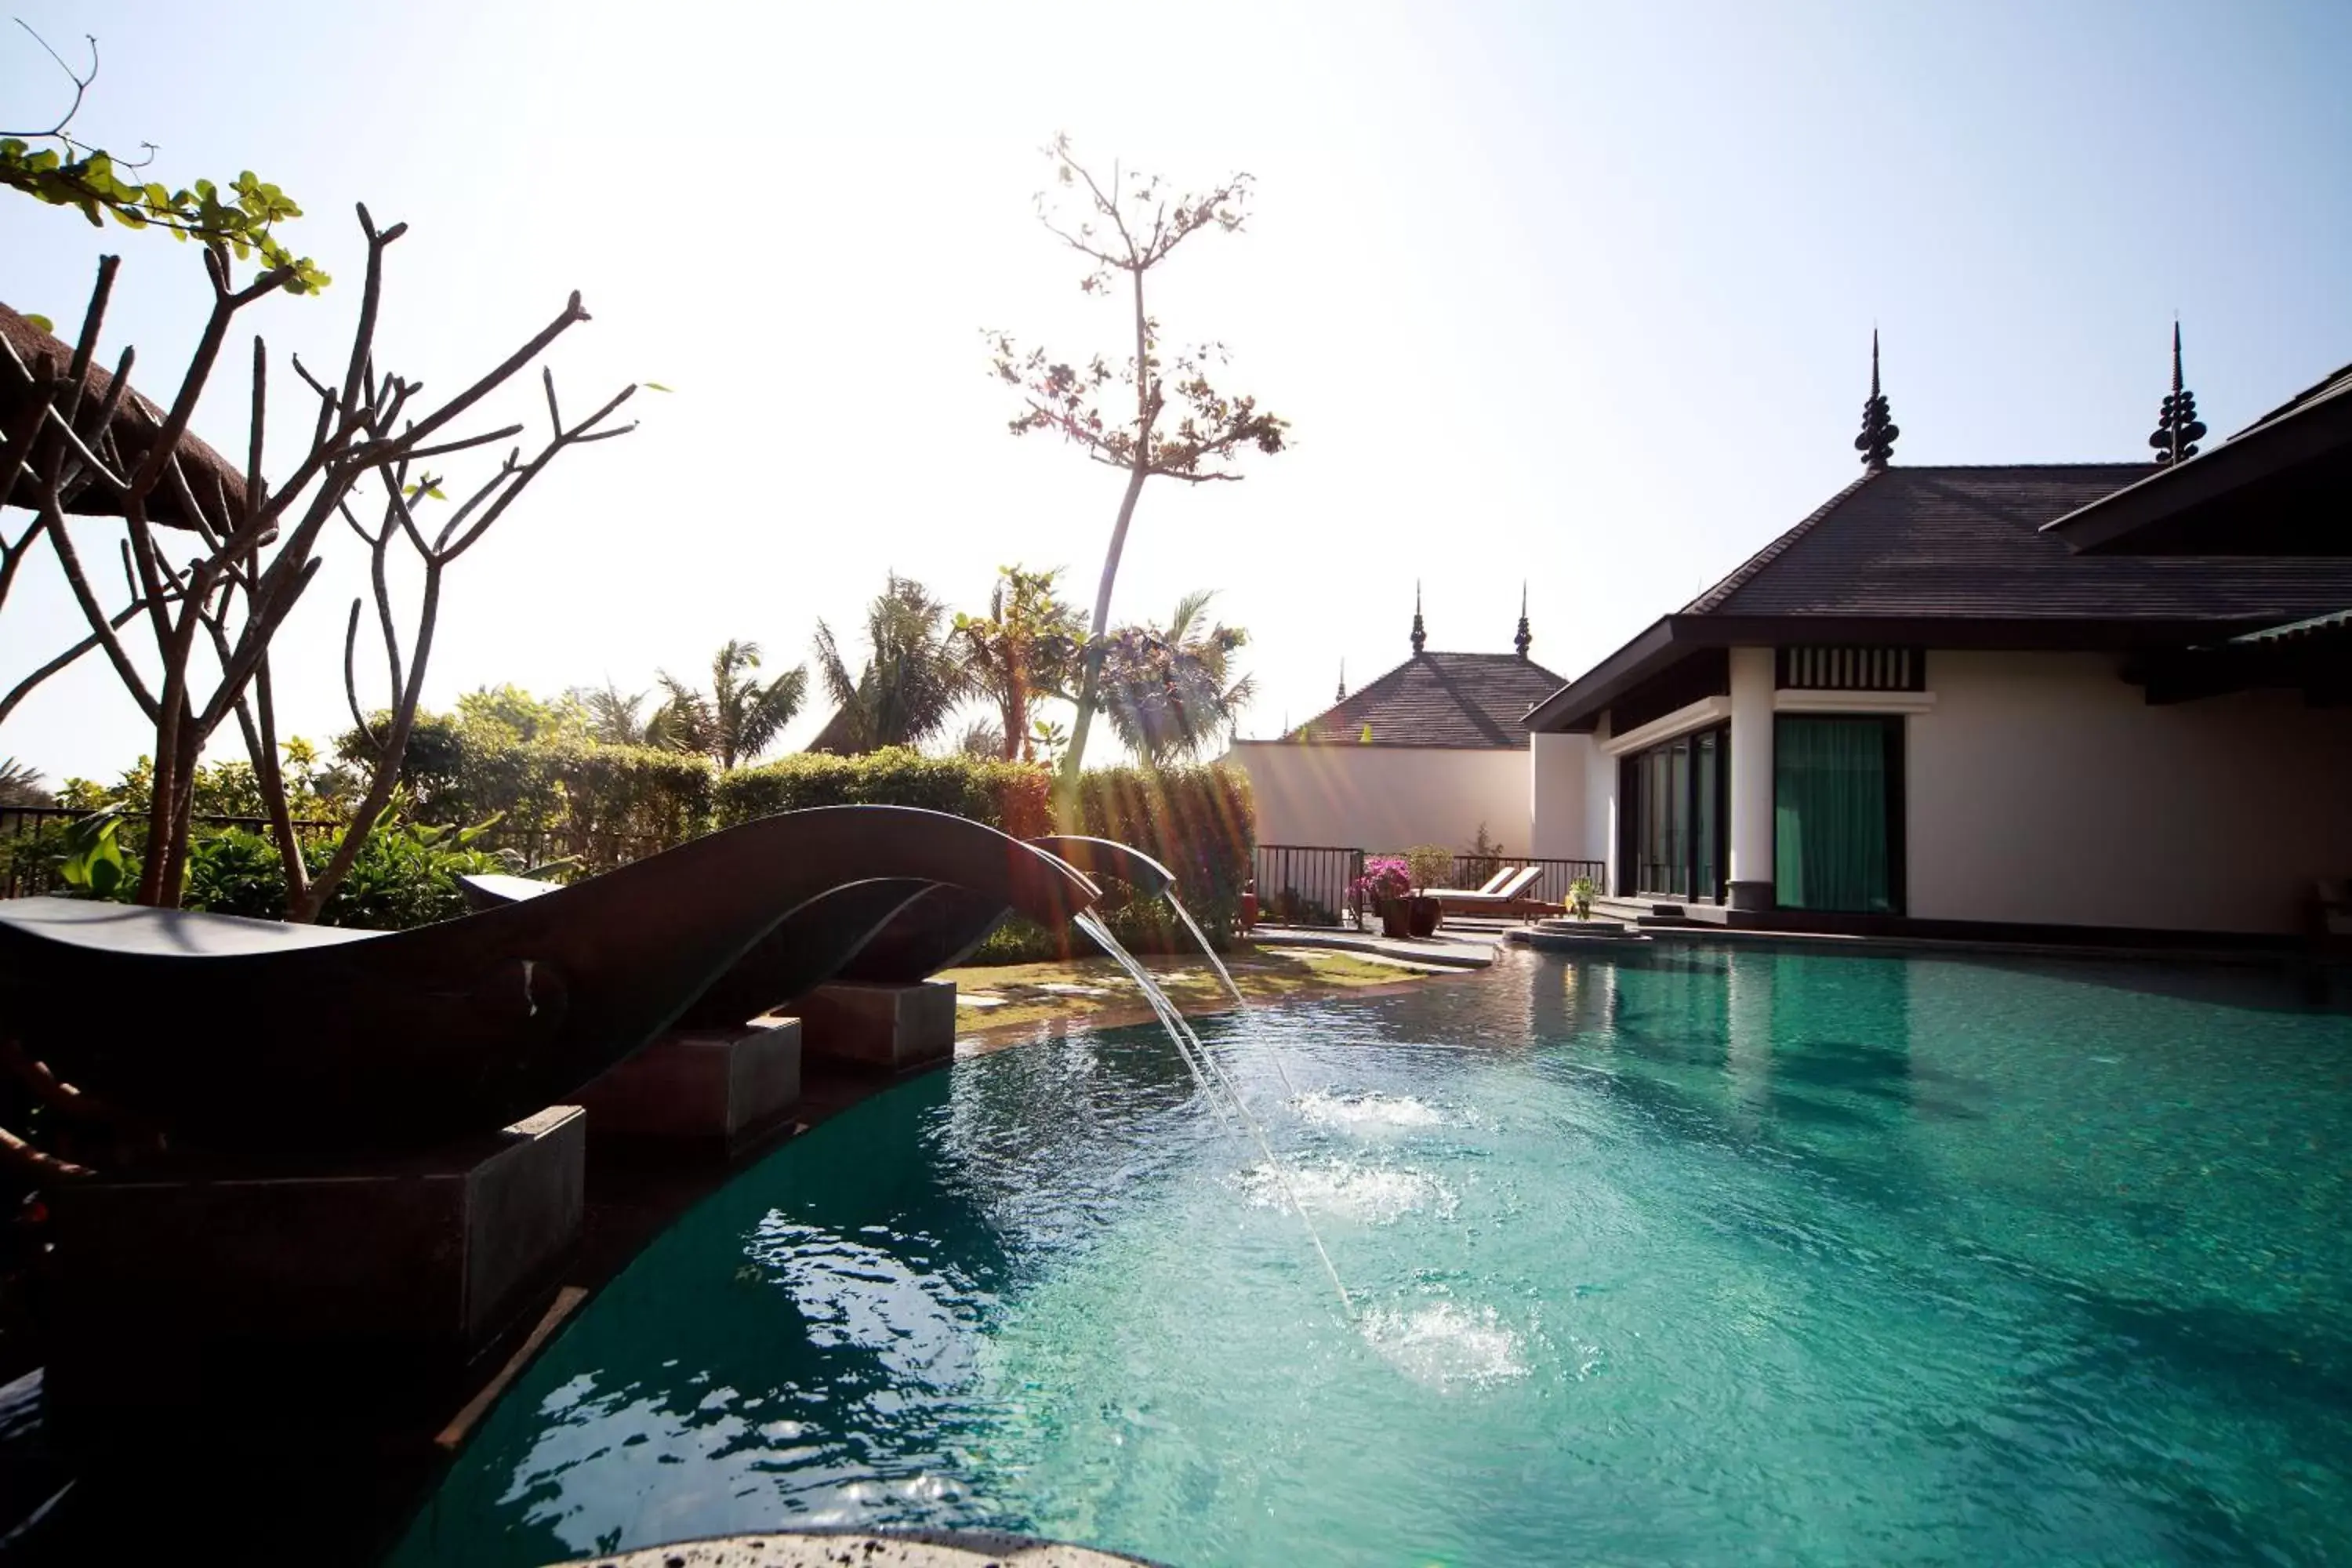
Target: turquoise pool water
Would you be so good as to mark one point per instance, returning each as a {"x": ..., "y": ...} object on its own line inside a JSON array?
[{"x": 1709, "y": 1257}]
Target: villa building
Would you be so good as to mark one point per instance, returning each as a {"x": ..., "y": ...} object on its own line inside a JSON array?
[
  {"x": 1428, "y": 754},
  {"x": 2016, "y": 700}
]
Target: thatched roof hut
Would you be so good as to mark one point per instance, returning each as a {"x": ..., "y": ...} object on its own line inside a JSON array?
[
  {"x": 839, "y": 736},
  {"x": 136, "y": 422}
]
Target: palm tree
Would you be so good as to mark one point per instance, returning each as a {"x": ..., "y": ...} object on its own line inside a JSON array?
[
  {"x": 1170, "y": 692},
  {"x": 981, "y": 737},
  {"x": 1028, "y": 647},
  {"x": 911, "y": 684},
  {"x": 20, "y": 785},
  {"x": 738, "y": 718},
  {"x": 613, "y": 718}
]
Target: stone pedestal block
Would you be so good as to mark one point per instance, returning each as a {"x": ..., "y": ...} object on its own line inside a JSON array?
[
  {"x": 213, "y": 1287},
  {"x": 706, "y": 1088},
  {"x": 891, "y": 1028}
]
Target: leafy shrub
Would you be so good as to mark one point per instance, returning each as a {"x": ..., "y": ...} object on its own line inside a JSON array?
[
  {"x": 1010, "y": 797},
  {"x": 556, "y": 794},
  {"x": 1197, "y": 821},
  {"x": 29, "y": 853},
  {"x": 93, "y": 863},
  {"x": 233, "y": 872},
  {"x": 1432, "y": 866},
  {"x": 1483, "y": 857},
  {"x": 405, "y": 875},
  {"x": 315, "y": 790},
  {"x": 1293, "y": 908}
]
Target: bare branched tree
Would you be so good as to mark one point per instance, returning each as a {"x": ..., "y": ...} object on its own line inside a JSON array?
[
  {"x": 1129, "y": 225},
  {"x": 241, "y": 551}
]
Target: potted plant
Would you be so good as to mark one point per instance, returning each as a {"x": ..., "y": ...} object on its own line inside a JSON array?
[
  {"x": 1580, "y": 898},
  {"x": 1432, "y": 866},
  {"x": 1385, "y": 887}
]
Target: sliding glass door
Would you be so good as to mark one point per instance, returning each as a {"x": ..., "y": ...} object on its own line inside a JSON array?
[
  {"x": 1837, "y": 814},
  {"x": 1677, "y": 792}
]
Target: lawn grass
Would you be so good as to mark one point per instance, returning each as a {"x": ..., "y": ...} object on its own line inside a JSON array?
[{"x": 1001, "y": 1000}]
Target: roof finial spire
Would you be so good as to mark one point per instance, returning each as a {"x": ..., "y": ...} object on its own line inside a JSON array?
[
  {"x": 1419, "y": 635},
  {"x": 1876, "y": 442},
  {"x": 1343, "y": 681},
  {"x": 2177, "y": 429},
  {"x": 1523, "y": 641}
]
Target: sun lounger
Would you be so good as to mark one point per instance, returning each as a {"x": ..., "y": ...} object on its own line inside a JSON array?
[
  {"x": 1505, "y": 896},
  {"x": 1492, "y": 884}
]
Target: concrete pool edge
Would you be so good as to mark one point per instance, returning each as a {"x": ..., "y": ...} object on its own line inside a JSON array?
[
  {"x": 866, "y": 1547},
  {"x": 2284, "y": 955}
]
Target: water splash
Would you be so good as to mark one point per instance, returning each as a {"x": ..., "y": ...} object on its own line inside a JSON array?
[
  {"x": 1206, "y": 1070},
  {"x": 1281, "y": 1069},
  {"x": 1446, "y": 1346},
  {"x": 1372, "y": 1194},
  {"x": 1357, "y": 1112}
]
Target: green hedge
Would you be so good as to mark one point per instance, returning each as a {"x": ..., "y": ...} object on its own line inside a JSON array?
[
  {"x": 569, "y": 796},
  {"x": 606, "y": 803},
  {"x": 1009, "y": 796},
  {"x": 1197, "y": 821}
]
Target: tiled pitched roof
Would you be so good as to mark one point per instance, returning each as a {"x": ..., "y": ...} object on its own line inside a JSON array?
[
  {"x": 1965, "y": 543},
  {"x": 1462, "y": 700}
]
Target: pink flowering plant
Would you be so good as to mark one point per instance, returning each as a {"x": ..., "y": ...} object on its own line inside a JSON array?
[{"x": 1385, "y": 877}]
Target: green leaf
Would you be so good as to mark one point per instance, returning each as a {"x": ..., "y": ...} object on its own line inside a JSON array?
[
  {"x": 653, "y": 386},
  {"x": 43, "y": 322}
]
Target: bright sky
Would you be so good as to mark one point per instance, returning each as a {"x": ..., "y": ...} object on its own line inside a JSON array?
[{"x": 1580, "y": 295}]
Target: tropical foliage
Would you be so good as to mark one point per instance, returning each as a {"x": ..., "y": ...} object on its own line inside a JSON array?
[
  {"x": 1170, "y": 691},
  {"x": 982, "y": 737},
  {"x": 1198, "y": 821},
  {"x": 560, "y": 796},
  {"x": 21, "y": 785},
  {"x": 1027, "y": 647},
  {"x": 738, "y": 718},
  {"x": 613, "y": 716},
  {"x": 55, "y": 167},
  {"x": 405, "y": 875},
  {"x": 912, "y": 680},
  {"x": 316, "y": 790}
]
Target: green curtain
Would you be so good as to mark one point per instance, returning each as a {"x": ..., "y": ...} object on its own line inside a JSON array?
[{"x": 1829, "y": 804}]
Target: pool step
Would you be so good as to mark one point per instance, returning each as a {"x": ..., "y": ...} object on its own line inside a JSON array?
[{"x": 1645, "y": 913}]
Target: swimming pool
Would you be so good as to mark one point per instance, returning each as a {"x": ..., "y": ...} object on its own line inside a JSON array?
[{"x": 1691, "y": 1256}]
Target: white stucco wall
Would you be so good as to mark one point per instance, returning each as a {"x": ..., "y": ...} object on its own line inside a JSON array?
[
  {"x": 2043, "y": 788},
  {"x": 1601, "y": 806},
  {"x": 1557, "y": 780},
  {"x": 1385, "y": 797}
]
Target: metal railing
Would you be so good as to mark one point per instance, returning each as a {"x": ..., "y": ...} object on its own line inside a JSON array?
[
  {"x": 1308, "y": 884},
  {"x": 1550, "y": 886}
]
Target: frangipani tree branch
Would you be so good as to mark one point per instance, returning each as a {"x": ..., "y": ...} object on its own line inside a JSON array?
[{"x": 260, "y": 551}]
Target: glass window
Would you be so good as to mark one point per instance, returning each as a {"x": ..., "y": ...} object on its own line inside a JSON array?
[
  {"x": 1706, "y": 762},
  {"x": 1677, "y": 795},
  {"x": 1836, "y": 842}
]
